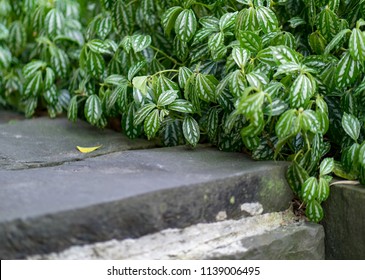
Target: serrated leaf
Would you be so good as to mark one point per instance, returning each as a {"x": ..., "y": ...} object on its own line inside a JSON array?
[
  {"x": 357, "y": 45},
  {"x": 250, "y": 41},
  {"x": 310, "y": 189},
  {"x": 54, "y": 22},
  {"x": 191, "y": 130},
  {"x": 169, "y": 17},
  {"x": 93, "y": 109},
  {"x": 86, "y": 150},
  {"x": 287, "y": 124},
  {"x": 167, "y": 97},
  {"x": 351, "y": 125},
  {"x": 283, "y": 54},
  {"x": 104, "y": 27},
  {"x": 98, "y": 46},
  {"x": 314, "y": 211},
  {"x": 227, "y": 20},
  {"x": 301, "y": 91},
  {"x": 184, "y": 74},
  {"x": 34, "y": 85},
  {"x": 205, "y": 86},
  {"x": 181, "y": 105},
  {"x": 143, "y": 112},
  {"x": 140, "y": 42},
  {"x": 240, "y": 56},
  {"x": 326, "y": 166},
  {"x": 95, "y": 64},
  {"x": 266, "y": 19},
  {"x": 152, "y": 124},
  {"x": 186, "y": 25}
]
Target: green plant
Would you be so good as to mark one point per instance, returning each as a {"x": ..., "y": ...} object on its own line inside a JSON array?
[{"x": 278, "y": 79}]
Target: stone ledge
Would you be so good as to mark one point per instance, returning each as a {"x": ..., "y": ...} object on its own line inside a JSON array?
[
  {"x": 274, "y": 236},
  {"x": 344, "y": 223},
  {"x": 130, "y": 194}
]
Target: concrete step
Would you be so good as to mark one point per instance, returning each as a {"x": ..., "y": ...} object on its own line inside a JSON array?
[{"x": 271, "y": 236}]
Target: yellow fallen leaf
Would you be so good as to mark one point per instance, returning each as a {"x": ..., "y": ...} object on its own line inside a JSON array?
[{"x": 85, "y": 150}]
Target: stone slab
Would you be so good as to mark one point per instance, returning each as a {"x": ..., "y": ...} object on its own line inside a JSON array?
[
  {"x": 272, "y": 236},
  {"x": 130, "y": 194},
  {"x": 46, "y": 142},
  {"x": 344, "y": 223}
]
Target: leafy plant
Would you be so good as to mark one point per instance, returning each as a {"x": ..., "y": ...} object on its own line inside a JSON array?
[{"x": 278, "y": 79}]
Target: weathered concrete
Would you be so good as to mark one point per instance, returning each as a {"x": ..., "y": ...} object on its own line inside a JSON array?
[
  {"x": 47, "y": 142},
  {"x": 130, "y": 194},
  {"x": 344, "y": 222},
  {"x": 273, "y": 236}
]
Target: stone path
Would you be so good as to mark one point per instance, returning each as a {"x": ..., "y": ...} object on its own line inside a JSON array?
[{"x": 52, "y": 197}]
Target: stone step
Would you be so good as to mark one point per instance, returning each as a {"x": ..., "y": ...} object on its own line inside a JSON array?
[
  {"x": 132, "y": 193},
  {"x": 272, "y": 236}
]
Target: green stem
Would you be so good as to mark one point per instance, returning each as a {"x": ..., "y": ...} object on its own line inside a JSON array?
[
  {"x": 165, "y": 71},
  {"x": 166, "y": 55}
]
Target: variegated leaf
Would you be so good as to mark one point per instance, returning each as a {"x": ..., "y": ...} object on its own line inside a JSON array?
[
  {"x": 191, "y": 130},
  {"x": 186, "y": 25}
]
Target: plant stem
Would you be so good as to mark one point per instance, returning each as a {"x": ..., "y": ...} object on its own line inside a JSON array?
[{"x": 166, "y": 55}]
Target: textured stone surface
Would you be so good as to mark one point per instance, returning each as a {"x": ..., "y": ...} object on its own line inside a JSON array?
[
  {"x": 344, "y": 222},
  {"x": 130, "y": 194},
  {"x": 269, "y": 236},
  {"x": 10, "y": 117},
  {"x": 47, "y": 142}
]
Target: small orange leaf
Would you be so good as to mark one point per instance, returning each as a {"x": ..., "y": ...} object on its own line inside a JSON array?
[{"x": 85, "y": 150}]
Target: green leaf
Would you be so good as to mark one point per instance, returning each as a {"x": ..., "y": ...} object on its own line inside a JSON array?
[
  {"x": 171, "y": 133},
  {"x": 191, "y": 130},
  {"x": 152, "y": 124},
  {"x": 287, "y": 124},
  {"x": 357, "y": 45},
  {"x": 240, "y": 56},
  {"x": 216, "y": 41},
  {"x": 181, "y": 105},
  {"x": 116, "y": 80},
  {"x": 314, "y": 211},
  {"x": 296, "y": 176},
  {"x": 301, "y": 91},
  {"x": 266, "y": 19},
  {"x": 5, "y": 58},
  {"x": 205, "y": 86},
  {"x": 213, "y": 120},
  {"x": 323, "y": 189},
  {"x": 32, "y": 67},
  {"x": 30, "y": 106},
  {"x": 340, "y": 171},
  {"x": 34, "y": 85},
  {"x": 310, "y": 189},
  {"x": 98, "y": 46},
  {"x": 276, "y": 108},
  {"x": 350, "y": 158},
  {"x": 50, "y": 95},
  {"x": 317, "y": 42},
  {"x": 186, "y": 25},
  {"x": 122, "y": 15},
  {"x": 283, "y": 54},
  {"x": 60, "y": 62},
  {"x": 335, "y": 42},
  {"x": 169, "y": 17},
  {"x": 351, "y": 125},
  {"x": 140, "y": 83},
  {"x": 167, "y": 97},
  {"x": 54, "y": 22},
  {"x": 362, "y": 154},
  {"x": 184, "y": 74},
  {"x": 140, "y": 42},
  {"x": 135, "y": 69},
  {"x": 250, "y": 41},
  {"x": 251, "y": 143},
  {"x": 255, "y": 127},
  {"x": 49, "y": 78},
  {"x": 104, "y": 27},
  {"x": 327, "y": 166},
  {"x": 17, "y": 38},
  {"x": 95, "y": 64},
  {"x": 143, "y": 112},
  {"x": 251, "y": 104},
  {"x": 93, "y": 109},
  {"x": 227, "y": 20},
  {"x": 309, "y": 121},
  {"x": 247, "y": 20},
  {"x": 132, "y": 131},
  {"x": 72, "y": 109},
  {"x": 328, "y": 24}
]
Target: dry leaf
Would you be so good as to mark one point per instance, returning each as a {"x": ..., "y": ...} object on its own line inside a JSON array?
[{"x": 85, "y": 150}]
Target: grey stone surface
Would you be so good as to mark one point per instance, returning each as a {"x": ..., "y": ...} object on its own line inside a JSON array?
[
  {"x": 130, "y": 194},
  {"x": 272, "y": 236},
  {"x": 46, "y": 142},
  {"x": 344, "y": 222}
]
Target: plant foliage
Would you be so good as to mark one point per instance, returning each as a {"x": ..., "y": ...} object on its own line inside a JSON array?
[{"x": 280, "y": 79}]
